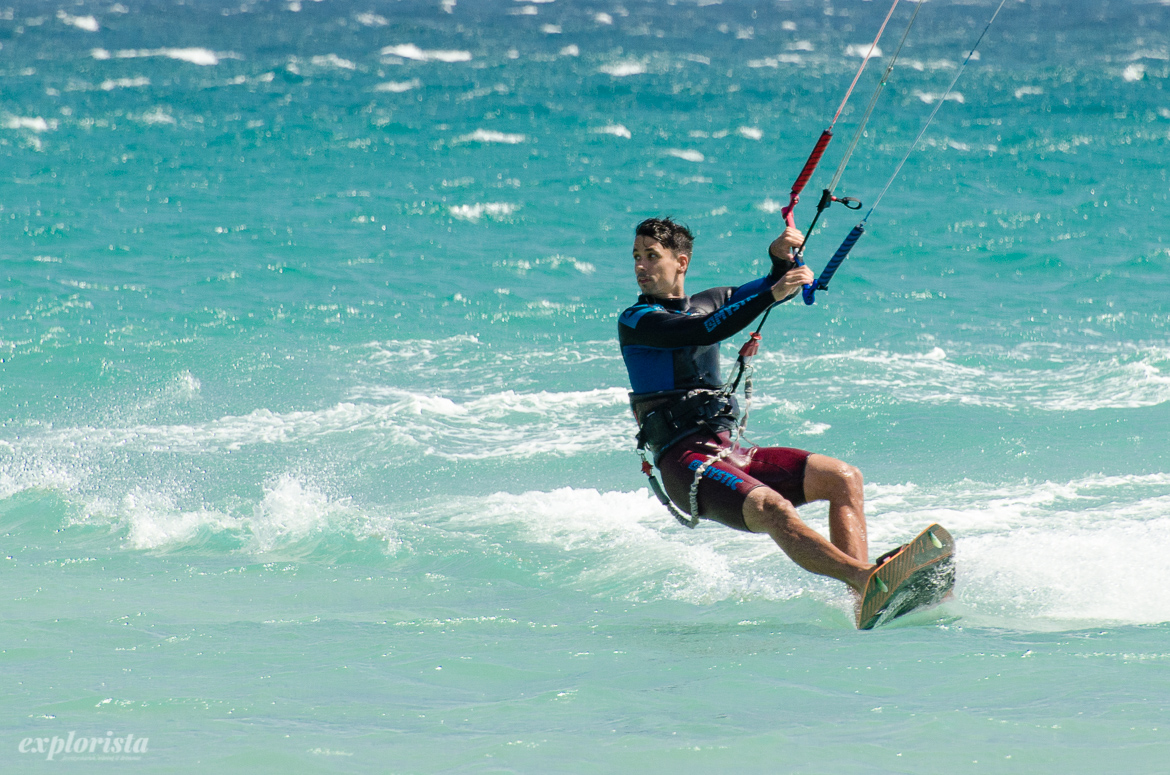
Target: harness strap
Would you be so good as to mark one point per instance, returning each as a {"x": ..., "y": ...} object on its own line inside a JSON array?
[{"x": 702, "y": 469}]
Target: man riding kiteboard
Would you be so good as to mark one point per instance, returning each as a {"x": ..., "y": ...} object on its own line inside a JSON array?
[
  {"x": 687, "y": 422},
  {"x": 687, "y": 416}
]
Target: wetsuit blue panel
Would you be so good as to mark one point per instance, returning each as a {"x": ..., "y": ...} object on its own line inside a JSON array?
[
  {"x": 631, "y": 316},
  {"x": 752, "y": 288},
  {"x": 651, "y": 369}
]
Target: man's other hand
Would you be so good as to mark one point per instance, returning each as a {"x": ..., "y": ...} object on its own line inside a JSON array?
[{"x": 792, "y": 282}]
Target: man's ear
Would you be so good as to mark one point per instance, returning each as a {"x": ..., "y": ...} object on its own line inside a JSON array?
[{"x": 684, "y": 262}]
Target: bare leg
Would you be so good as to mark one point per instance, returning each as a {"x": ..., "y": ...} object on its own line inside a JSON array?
[
  {"x": 828, "y": 479},
  {"x": 767, "y": 511}
]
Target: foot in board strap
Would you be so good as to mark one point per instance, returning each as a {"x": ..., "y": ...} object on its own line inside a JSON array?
[
  {"x": 882, "y": 560},
  {"x": 914, "y": 576}
]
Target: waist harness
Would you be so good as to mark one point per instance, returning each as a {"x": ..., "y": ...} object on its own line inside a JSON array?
[{"x": 697, "y": 410}]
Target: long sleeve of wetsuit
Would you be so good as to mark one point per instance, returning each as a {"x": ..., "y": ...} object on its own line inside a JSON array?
[{"x": 711, "y": 317}]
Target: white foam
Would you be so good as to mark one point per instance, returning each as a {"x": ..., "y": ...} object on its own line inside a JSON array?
[
  {"x": 371, "y": 19},
  {"x": 509, "y": 424},
  {"x": 411, "y": 51},
  {"x": 398, "y": 87},
  {"x": 1032, "y": 556},
  {"x": 492, "y": 136},
  {"x": 931, "y": 97},
  {"x": 158, "y": 116},
  {"x": 332, "y": 60},
  {"x": 625, "y": 544},
  {"x": 1028, "y": 91},
  {"x": 181, "y": 390},
  {"x": 492, "y": 210},
  {"x": 87, "y": 23},
  {"x": 1134, "y": 72},
  {"x": 862, "y": 49},
  {"x": 1051, "y": 379},
  {"x": 1099, "y": 576},
  {"x": 289, "y": 511},
  {"x": 617, "y": 130},
  {"x": 196, "y": 56},
  {"x": 19, "y": 472},
  {"x": 1046, "y": 554},
  {"x": 686, "y": 155},
  {"x": 31, "y": 123},
  {"x": 153, "y": 520},
  {"x": 125, "y": 83},
  {"x": 750, "y": 132},
  {"x": 462, "y": 359},
  {"x": 523, "y": 265},
  {"x": 1162, "y": 53},
  {"x": 506, "y": 424},
  {"x": 624, "y": 69}
]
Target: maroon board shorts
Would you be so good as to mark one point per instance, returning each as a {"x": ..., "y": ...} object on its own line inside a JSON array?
[{"x": 726, "y": 484}]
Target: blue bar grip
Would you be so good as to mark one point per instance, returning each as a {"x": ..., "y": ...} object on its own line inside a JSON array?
[
  {"x": 830, "y": 269},
  {"x": 806, "y": 289}
]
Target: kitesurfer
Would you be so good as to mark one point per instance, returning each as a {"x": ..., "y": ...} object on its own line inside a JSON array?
[{"x": 687, "y": 421}]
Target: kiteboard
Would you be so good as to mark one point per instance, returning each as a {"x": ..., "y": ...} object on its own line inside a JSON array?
[{"x": 918, "y": 575}]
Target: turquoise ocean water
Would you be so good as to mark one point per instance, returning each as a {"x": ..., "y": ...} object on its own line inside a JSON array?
[{"x": 314, "y": 446}]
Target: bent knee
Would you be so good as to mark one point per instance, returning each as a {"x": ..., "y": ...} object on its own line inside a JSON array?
[
  {"x": 850, "y": 475},
  {"x": 829, "y": 478},
  {"x": 765, "y": 510}
]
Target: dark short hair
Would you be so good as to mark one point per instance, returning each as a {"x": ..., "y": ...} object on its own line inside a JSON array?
[{"x": 671, "y": 235}]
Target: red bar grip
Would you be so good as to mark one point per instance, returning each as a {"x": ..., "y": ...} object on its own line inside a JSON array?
[{"x": 814, "y": 158}]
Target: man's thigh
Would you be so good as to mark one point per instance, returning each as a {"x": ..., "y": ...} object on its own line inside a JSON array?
[{"x": 727, "y": 483}]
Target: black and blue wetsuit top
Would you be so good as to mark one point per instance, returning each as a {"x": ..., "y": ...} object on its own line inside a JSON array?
[{"x": 671, "y": 346}]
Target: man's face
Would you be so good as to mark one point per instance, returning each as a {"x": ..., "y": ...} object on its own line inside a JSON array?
[{"x": 658, "y": 270}]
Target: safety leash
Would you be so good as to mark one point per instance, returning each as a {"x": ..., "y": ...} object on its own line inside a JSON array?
[{"x": 660, "y": 493}]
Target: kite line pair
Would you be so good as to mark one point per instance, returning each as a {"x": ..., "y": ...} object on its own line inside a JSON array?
[
  {"x": 742, "y": 370},
  {"x": 827, "y": 197}
]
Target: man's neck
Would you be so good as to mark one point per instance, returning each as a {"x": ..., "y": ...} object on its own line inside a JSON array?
[{"x": 667, "y": 297}]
